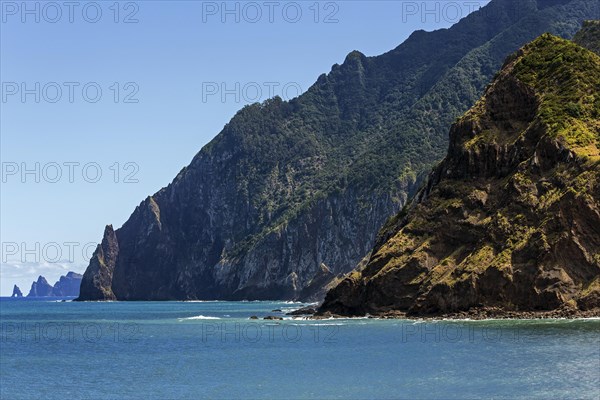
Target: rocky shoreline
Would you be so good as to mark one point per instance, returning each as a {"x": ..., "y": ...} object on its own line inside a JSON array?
[{"x": 476, "y": 314}]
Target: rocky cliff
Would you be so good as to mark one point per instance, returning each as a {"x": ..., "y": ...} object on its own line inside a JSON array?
[
  {"x": 509, "y": 222},
  {"x": 291, "y": 194}
]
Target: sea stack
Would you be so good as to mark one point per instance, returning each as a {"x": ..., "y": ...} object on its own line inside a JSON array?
[{"x": 16, "y": 292}]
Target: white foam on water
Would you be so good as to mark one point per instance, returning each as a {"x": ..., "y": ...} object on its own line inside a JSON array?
[
  {"x": 200, "y": 301},
  {"x": 198, "y": 317}
]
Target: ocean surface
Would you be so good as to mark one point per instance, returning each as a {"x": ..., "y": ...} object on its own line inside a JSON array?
[{"x": 187, "y": 350}]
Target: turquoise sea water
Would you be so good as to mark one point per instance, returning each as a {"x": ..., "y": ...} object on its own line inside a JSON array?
[{"x": 190, "y": 350}]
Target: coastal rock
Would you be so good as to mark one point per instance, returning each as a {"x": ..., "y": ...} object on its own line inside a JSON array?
[
  {"x": 16, "y": 292},
  {"x": 509, "y": 223},
  {"x": 97, "y": 279},
  {"x": 68, "y": 285},
  {"x": 273, "y": 318},
  {"x": 40, "y": 288},
  {"x": 309, "y": 310}
]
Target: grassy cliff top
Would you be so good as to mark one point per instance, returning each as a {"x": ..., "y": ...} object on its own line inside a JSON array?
[{"x": 565, "y": 79}]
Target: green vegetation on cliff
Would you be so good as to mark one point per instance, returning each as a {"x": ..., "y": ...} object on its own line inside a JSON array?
[
  {"x": 570, "y": 109},
  {"x": 510, "y": 220},
  {"x": 589, "y": 36}
]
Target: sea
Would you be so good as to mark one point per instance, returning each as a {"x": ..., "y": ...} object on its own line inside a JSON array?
[{"x": 60, "y": 349}]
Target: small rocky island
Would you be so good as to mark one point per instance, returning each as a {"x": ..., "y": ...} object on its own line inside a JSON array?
[
  {"x": 40, "y": 288},
  {"x": 66, "y": 286},
  {"x": 16, "y": 292}
]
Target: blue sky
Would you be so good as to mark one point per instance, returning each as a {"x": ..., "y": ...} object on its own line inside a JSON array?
[{"x": 104, "y": 102}]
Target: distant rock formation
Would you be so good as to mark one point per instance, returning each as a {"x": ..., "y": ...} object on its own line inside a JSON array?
[
  {"x": 40, "y": 288},
  {"x": 66, "y": 286},
  {"x": 16, "y": 292}
]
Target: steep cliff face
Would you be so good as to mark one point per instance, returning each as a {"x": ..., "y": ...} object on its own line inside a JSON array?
[
  {"x": 510, "y": 220},
  {"x": 285, "y": 262},
  {"x": 97, "y": 279},
  {"x": 291, "y": 194}
]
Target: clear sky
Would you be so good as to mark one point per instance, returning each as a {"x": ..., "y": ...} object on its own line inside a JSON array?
[{"x": 104, "y": 102}]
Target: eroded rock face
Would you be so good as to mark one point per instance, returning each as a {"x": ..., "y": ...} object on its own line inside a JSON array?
[
  {"x": 291, "y": 194},
  {"x": 97, "y": 279},
  {"x": 510, "y": 220},
  {"x": 282, "y": 265}
]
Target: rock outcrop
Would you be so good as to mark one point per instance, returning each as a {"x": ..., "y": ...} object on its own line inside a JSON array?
[
  {"x": 509, "y": 222},
  {"x": 67, "y": 286},
  {"x": 97, "y": 279},
  {"x": 291, "y": 194},
  {"x": 40, "y": 288},
  {"x": 16, "y": 292}
]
